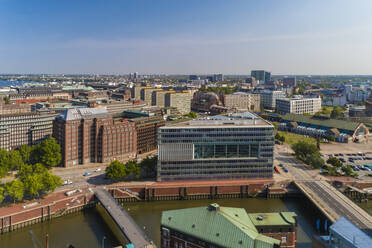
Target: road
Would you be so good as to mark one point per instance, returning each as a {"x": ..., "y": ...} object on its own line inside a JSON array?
[{"x": 332, "y": 202}]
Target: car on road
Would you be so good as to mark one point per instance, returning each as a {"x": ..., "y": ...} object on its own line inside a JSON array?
[
  {"x": 67, "y": 182},
  {"x": 86, "y": 174},
  {"x": 98, "y": 170},
  {"x": 281, "y": 165}
]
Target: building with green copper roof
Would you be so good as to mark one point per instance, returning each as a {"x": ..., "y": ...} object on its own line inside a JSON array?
[{"x": 215, "y": 226}]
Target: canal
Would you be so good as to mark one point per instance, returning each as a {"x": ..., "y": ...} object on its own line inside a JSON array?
[{"x": 87, "y": 229}]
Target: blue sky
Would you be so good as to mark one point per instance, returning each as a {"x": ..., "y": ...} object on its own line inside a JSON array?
[{"x": 186, "y": 36}]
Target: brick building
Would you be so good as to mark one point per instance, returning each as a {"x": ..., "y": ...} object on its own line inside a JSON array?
[
  {"x": 90, "y": 135},
  {"x": 215, "y": 226},
  {"x": 147, "y": 132},
  {"x": 24, "y": 129},
  {"x": 243, "y": 101}
]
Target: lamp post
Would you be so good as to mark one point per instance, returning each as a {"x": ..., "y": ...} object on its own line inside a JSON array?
[{"x": 103, "y": 242}]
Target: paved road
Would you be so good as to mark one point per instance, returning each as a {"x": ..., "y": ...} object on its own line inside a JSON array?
[
  {"x": 124, "y": 221},
  {"x": 333, "y": 202}
]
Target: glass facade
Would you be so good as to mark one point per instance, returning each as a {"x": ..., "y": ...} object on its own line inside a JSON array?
[{"x": 215, "y": 152}]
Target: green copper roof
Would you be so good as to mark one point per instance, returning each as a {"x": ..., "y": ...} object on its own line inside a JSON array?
[
  {"x": 273, "y": 219},
  {"x": 339, "y": 124},
  {"x": 223, "y": 226}
]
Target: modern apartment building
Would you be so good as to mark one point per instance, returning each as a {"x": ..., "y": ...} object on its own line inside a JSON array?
[
  {"x": 261, "y": 75},
  {"x": 268, "y": 98},
  {"x": 237, "y": 146},
  {"x": 299, "y": 105},
  {"x": 179, "y": 100},
  {"x": 243, "y": 101},
  {"x": 146, "y": 95},
  {"x": 90, "y": 135},
  {"x": 24, "y": 129},
  {"x": 158, "y": 97}
]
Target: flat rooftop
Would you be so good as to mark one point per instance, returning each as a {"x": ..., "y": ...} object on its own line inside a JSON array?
[{"x": 231, "y": 120}]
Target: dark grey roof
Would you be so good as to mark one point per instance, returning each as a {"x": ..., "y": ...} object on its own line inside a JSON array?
[{"x": 82, "y": 113}]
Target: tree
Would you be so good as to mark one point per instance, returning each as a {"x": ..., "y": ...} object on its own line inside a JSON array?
[
  {"x": 334, "y": 161},
  {"x": 315, "y": 161},
  {"x": 132, "y": 169},
  {"x": 33, "y": 184},
  {"x": 25, "y": 152},
  {"x": 331, "y": 138},
  {"x": 2, "y": 190},
  {"x": 348, "y": 170},
  {"x": 15, "y": 189},
  {"x": 148, "y": 165},
  {"x": 337, "y": 112},
  {"x": 115, "y": 170},
  {"x": 50, "y": 182},
  {"x": 4, "y": 162},
  {"x": 48, "y": 153},
  {"x": 302, "y": 149},
  {"x": 7, "y": 100},
  {"x": 24, "y": 171},
  {"x": 15, "y": 160},
  {"x": 192, "y": 115}
]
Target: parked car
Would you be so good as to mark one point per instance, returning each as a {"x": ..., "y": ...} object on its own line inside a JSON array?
[
  {"x": 98, "y": 170},
  {"x": 67, "y": 182},
  {"x": 87, "y": 174}
]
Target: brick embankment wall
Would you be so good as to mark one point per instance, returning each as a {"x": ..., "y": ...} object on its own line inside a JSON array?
[{"x": 18, "y": 216}]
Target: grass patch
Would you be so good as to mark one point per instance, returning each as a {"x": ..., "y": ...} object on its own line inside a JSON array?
[{"x": 292, "y": 138}]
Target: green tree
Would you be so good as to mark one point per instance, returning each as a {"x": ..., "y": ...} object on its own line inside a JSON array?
[
  {"x": 302, "y": 149},
  {"x": 33, "y": 185},
  {"x": 25, "y": 152},
  {"x": 2, "y": 190},
  {"x": 7, "y": 100},
  {"x": 148, "y": 165},
  {"x": 331, "y": 138},
  {"x": 115, "y": 170},
  {"x": 48, "y": 153},
  {"x": 348, "y": 170},
  {"x": 132, "y": 169},
  {"x": 315, "y": 161},
  {"x": 337, "y": 112},
  {"x": 24, "y": 171},
  {"x": 15, "y": 189},
  {"x": 334, "y": 161},
  {"x": 192, "y": 115},
  {"x": 4, "y": 162},
  {"x": 50, "y": 182},
  {"x": 15, "y": 160}
]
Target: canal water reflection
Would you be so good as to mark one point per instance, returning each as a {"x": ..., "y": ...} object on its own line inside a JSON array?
[{"x": 87, "y": 229}]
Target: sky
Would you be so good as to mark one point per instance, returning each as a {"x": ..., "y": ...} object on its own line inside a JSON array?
[{"x": 186, "y": 36}]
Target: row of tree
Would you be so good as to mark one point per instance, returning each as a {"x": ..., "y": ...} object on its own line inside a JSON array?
[
  {"x": 33, "y": 177},
  {"x": 308, "y": 153},
  {"x": 132, "y": 169},
  {"x": 336, "y": 165},
  {"x": 46, "y": 152}
]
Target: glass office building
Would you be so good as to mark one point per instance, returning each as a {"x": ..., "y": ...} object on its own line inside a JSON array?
[{"x": 237, "y": 146}]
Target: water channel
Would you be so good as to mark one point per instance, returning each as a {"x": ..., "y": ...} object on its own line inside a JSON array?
[{"x": 88, "y": 229}]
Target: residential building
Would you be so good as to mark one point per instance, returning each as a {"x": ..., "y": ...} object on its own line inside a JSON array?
[
  {"x": 268, "y": 98},
  {"x": 217, "y": 226},
  {"x": 24, "y": 129},
  {"x": 90, "y": 135},
  {"x": 14, "y": 108},
  {"x": 236, "y": 146},
  {"x": 243, "y": 101},
  {"x": 147, "y": 132},
  {"x": 158, "y": 97},
  {"x": 146, "y": 95},
  {"x": 261, "y": 75},
  {"x": 179, "y": 100},
  {"x": 289, "y": 82},
  {"x": 299, "y": 105},
  {"x": 343, "y": 233}
]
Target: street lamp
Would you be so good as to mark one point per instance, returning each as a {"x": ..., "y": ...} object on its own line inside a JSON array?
[{"x": 103, "y": 242}]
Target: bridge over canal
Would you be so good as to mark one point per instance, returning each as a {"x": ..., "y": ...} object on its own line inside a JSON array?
[{"x": 132, "y": 232}]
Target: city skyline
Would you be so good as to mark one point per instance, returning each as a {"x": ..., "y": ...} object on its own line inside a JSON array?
[{"x": 193, "y": 37}]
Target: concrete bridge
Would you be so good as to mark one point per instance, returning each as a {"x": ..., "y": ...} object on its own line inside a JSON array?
[
  {"x": 132, "y": 232},
  {"x": 328, "y": 199}
]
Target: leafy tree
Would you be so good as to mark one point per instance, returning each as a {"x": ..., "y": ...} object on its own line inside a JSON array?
[
  {"x": 50, "y": 182},
  {"x": 315, "y": 161},
  {"x": 4, "y": 162},
  {"x": 334, "y": 161},
  {"x": 24, "y": 171},
  {"x": 132, "y": 168},
  {"x": 15, "y": 160},
  {"x": 2, "y": 190},
  {"x": 302, "y": 149},
  {"x": 48, "y": 153},
  {"x": 337, "y": 112},
  {"x": 332, "y": 171},
  {"x": 192, "y": 115},
  {"x": 348, "y": 170},
  {"x": 15, "y": 189},
  {"x": 33, "y": 184},
  {"x": 275, "y": 125},
  {"x": 115, "y": 170},
  {"x": 331, "y": 138},
  {"x": 25, "y": 152},
  {"x": 148, "y": 165},
  {"x": 7, "y": 100}
]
